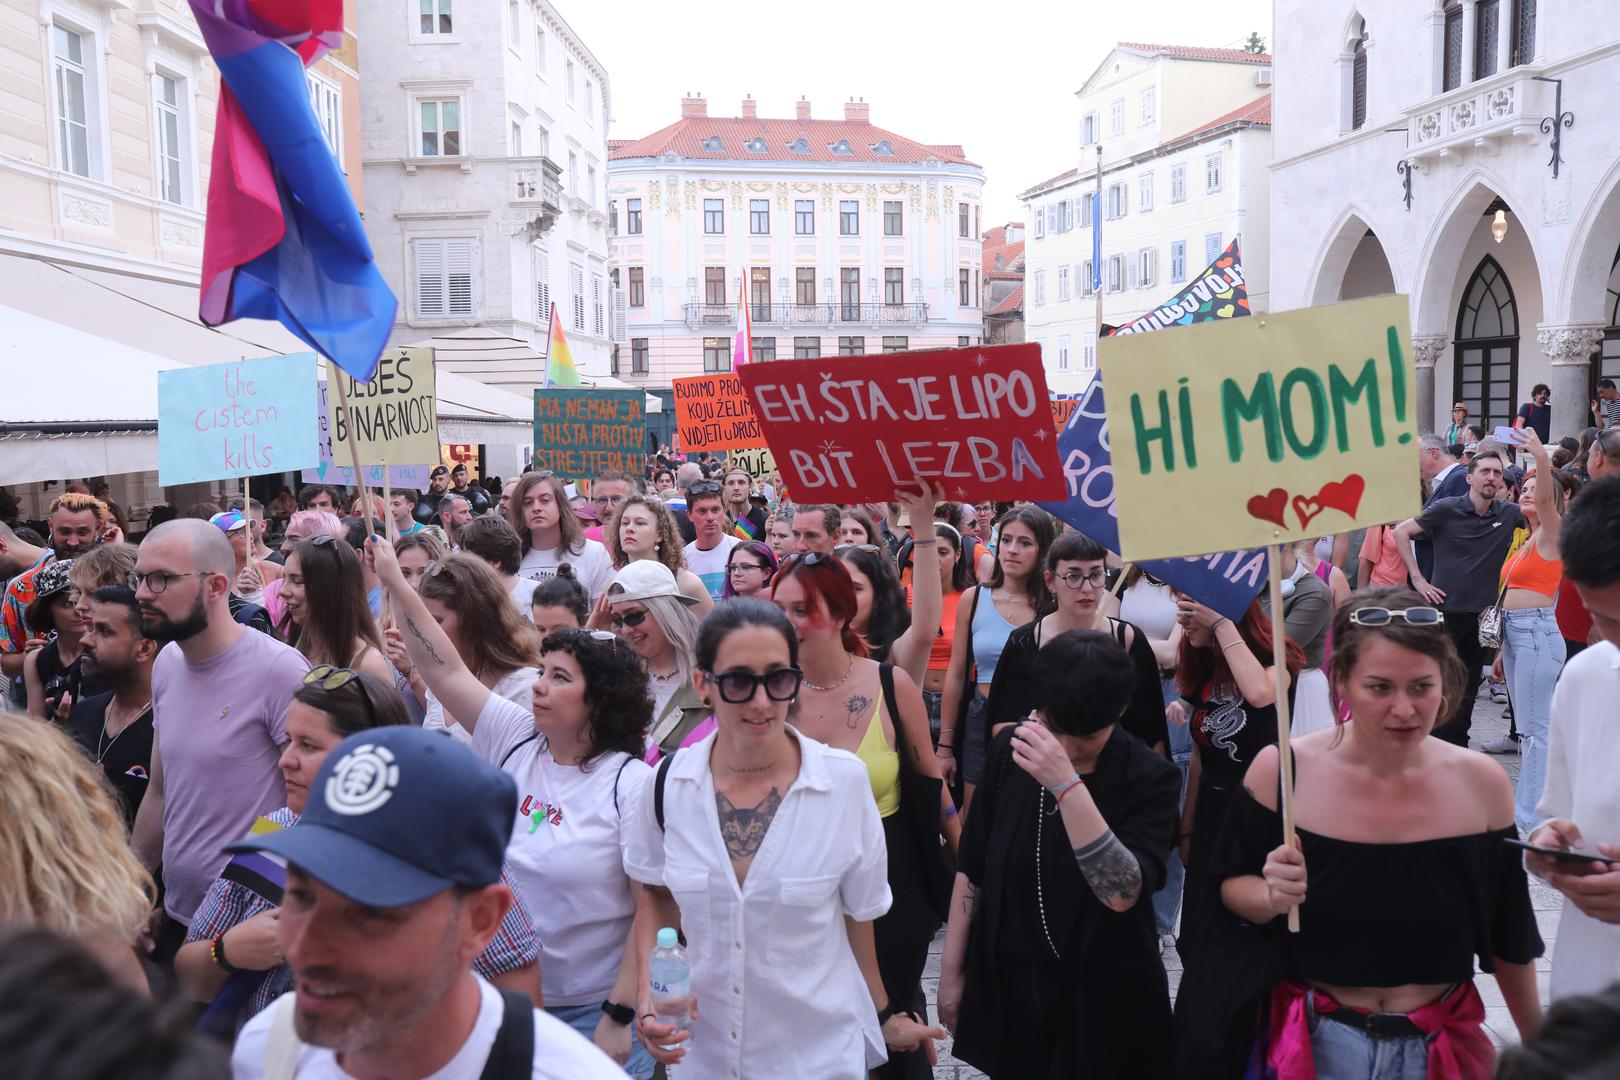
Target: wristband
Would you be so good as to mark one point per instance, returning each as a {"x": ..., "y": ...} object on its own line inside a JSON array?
[
  {"x": 950, "y": 811},
  {"x": 1056, "y": 789},
  {"x": 1070, "y": 786},
  {"x": 216, "y": 951},
  {"x": 944, "y": 746},
  {"x": 885, "y": 1013},
  {"x": 623, "y": 1015}
]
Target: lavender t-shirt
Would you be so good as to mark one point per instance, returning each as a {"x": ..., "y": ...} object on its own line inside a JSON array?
[{"x": 220, "y": 724}]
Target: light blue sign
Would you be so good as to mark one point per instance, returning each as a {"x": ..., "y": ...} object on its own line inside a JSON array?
[{"x": 240, "y": 418}]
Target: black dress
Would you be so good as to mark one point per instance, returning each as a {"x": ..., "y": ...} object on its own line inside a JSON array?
[{"x": 1055, "y": 983}]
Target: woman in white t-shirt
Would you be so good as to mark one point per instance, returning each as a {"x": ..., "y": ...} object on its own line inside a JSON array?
[
  {"x": 497, "y": 644},
  {"x": 552, "y": 535},
  {"x": 575, "y": 754}
]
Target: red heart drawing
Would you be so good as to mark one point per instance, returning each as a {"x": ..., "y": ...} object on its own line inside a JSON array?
[
  {"x": 1270, "y": 507},
  {"x": 1343, "y": 495}
]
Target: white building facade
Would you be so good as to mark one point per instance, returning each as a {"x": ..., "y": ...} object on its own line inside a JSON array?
[
  {"x": 485, "y": 129},
  {"x": 847, "y": 238},
  {"x": 1182, "y": 138},
  {"x": 1415, "y": 153}
]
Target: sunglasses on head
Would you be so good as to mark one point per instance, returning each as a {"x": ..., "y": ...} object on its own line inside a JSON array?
[
  {"x": 737, "y": 687},
  {"x": 601, "y": 636},
  {"x": 1381, "y": 616},
  {"x": 331, "y": 679},
  {"x": 322, "y": 540},
  {"x": 704, "y": 487},
  {"x": 805, "y": 558},
  {"x": 841, "y": 548}
]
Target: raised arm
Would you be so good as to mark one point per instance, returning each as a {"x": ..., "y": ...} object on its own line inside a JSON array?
[
  {"x": 910, "y": 650},
  {"x": 1547, "y": 512}
]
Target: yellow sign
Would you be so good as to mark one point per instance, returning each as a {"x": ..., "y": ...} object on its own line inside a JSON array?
[
  {"x": 393, "y": 418},
  {"x": 758, "y": 462},
  {"x": 1244, "y": 432}
]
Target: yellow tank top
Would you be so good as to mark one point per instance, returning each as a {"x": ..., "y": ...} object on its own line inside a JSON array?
[{"x": 882, "y": 764}]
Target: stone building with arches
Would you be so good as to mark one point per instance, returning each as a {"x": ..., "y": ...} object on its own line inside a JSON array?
[{"x": 1464, "y": 153}]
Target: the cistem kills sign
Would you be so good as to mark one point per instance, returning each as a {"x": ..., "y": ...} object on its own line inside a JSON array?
[
  {"x": 712, "y": 413},
  {"x": 239, "y": 418},
  {"x": 393, "y": 419},
  {"x": 1262, "y": 431},
  {"x": 857, "y": 428},
  {"x": 585, "y": 433}
]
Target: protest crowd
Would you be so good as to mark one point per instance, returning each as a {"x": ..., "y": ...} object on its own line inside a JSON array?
[{"x": 665, "y": 773}]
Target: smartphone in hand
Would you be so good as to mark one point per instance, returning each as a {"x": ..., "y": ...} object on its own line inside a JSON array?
[{"x": 1578, "y": 854}]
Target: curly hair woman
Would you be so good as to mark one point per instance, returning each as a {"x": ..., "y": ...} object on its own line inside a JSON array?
[{"x": 643, "y": 528}]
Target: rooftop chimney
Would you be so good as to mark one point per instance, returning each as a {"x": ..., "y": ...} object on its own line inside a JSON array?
[
  {"x": 801, "y": 109},
  {"x": 857, "y": 111},
  {"x": 694, "y": 105},
  {"x": 750, "y": 108}
]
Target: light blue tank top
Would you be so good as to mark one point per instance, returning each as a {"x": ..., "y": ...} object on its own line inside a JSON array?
[{"x": 990, "y": 633}]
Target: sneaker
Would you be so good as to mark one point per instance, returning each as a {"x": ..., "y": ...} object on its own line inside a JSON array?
[
  {"x": 1499, "y": 693},
  {"x": 1507, "y": 744}
]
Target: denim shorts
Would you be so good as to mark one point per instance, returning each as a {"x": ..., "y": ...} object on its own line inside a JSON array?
[
  {"x": 1350, "y": 1053},
  {"x": 584, "y": 1018},
  {"x": 933, "y": 700},
  {"x": 975, "y": 742}
]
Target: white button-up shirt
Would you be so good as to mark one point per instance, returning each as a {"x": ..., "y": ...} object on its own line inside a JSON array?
[
  {"x": 1583, "y": 764},
  {"x": 779, "y": 992}
]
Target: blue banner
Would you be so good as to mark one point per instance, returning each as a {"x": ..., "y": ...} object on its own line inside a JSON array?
[{"x": 1225, "y": 582}]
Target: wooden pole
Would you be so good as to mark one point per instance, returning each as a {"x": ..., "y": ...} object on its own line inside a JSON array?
[
  {"x": 1279, "y": 670},
  {"x": 354, "y": 449},
  {"x": 1119, "y": 582},
  {"x": 247, "y": 516},
  {"x": 388, "y": 509}
]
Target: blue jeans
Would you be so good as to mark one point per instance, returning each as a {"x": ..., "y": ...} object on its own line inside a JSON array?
[
  {"x": 1342, "y": 1052},
  {"x": 1532, "y": 657},
  {"x": 584, "y": 1018},
  {"x": 1167, "y": 901}
]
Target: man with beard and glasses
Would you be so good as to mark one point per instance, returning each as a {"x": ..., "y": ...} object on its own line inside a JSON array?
[
  {"x": 393, "y": 889},
  {"x": 77, "y": 523},
  {"x": 220, "y": 695},
  {"x": 1472, "y": 534},
  {"x": 115, "y": 728}
]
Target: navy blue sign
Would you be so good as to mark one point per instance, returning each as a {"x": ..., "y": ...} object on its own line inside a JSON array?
[{"x": 1225, "y": 582}]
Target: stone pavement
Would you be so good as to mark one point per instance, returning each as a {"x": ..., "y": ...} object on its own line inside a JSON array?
[{"x": 1488, "y": 724}]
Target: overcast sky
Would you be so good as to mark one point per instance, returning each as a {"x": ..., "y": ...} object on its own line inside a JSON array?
[{"x": 996, "y": 76}]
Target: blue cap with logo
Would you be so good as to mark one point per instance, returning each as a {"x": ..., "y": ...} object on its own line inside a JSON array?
[{"x": 396, "y": 815}]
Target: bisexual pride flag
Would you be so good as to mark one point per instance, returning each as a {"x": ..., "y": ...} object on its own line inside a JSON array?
[{"x": 284, "y": 240}]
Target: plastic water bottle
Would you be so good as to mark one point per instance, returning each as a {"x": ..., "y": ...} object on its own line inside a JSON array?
[{"x": 669, "y": 977}]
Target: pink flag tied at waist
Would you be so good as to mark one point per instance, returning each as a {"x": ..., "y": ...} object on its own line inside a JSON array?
[{"x": 284, "y": 240}]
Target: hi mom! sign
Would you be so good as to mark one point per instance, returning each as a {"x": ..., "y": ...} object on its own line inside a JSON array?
[
  {"x": 1266, "y": 430},
  {"x": 854, "y": 429}
]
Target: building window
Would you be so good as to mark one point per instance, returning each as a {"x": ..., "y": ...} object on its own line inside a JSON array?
[
  {"x": 1147, "y": 264},
  {"x": 1358, "y": 81},
  {"x": 632, "y": 217},
  {"x": 441, "y": 127},
  {"x": 590, "y": 102},
  {"x": 542, "y": 287},
  {"x": 849, "y": 293},
  {"x": 1178, "y": 261},
  {"x": 1116, "y": 118},
  {"x": 638, "y": 287},
  {"x": 1212, "y": 247},
  {"x": 1040, "y": 288},
  {"x": 759, "y": 217},
  {"x": 893, "y": 219},
  {"x": 598, "y": 309},
  {"x": 1085, "y": 202},
  {"x": 714, "y": 285},
  {"x": 1087, "y": 283},
  {"x": 327, "y": 100},
  {"x": 1212, "y": 173},
  {"x": 894, "y": 286},
  {"x": 435, "y": 17},
  {"x": 568, "y": 77},
  {"x": 804, "y": 217},
  {"x": 1145, "y": 116},
  {"x": 804, "y": 286},
  {"x": 513, "y": 24},
  {"x": 638, "y": 356},
  {"x": 806, "y": 348},
  {"x": 576, "y": 275},
  {"x": 896, "y": 344},
  {"x": 444, "y": 277},
  {"x": 714, "y": 216},
  {"x": 517, "y": 139},
  {"x": 1063, "y": 213},
  {"x": 978, "y": 297},
  {"x": 170, "y": 157},
  {"x": 849, "y": 217},
  {"x": 613, "y": 217},
  {"x": 1451, "y": 63},
  {"x": 716, "y": 354},
  {"x": 1063, "y": 352},
  {"x": 1118, "y": 201},
  {"x": 964, "y": 288},
  {"x": 852, "y": 346},
  {"x": 1487, "y": 34},
  {"x": 759, "y": 293},
  {"x": 1144, "y": 192},
  {"x": 72, "y": 100},
  {"x": 763, "y": 348},
  {"x": 1178, "y": 183},
  {"x": 1524, "y": 32},
  {"x": 964, "y": 220},
  {"x": 1116, "y": 273},
  {"x": 590, "y": 185},
  {"x": 1063, "y": 284},
  {"x": 1088, "y": 129},
  {"x": 539, "y": 50},
  {"x": 1088, "y": 350},
  {"x": 1040, "y": 222}
]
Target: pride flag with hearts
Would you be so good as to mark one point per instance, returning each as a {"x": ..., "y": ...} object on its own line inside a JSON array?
[{"x": 1217, "y": 292}]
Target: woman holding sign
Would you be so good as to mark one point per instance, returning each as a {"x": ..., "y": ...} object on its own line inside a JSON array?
[{"x": 1383, "y": 811}]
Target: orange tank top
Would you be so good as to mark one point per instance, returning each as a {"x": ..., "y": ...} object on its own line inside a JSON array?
[
  {"x": 939, "y": 653},
  {"x": 1530, "y": 570}
]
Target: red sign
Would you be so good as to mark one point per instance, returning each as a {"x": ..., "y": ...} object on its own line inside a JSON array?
[{"x": 856, "y": 428}]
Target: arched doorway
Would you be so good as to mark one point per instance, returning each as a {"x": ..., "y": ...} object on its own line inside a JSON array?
[
  {"x": 1607, "y": 364},
  {"x": 1487, "y": 347}
]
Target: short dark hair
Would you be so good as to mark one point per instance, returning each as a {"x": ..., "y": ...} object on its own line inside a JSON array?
[
  {"x": 1082, "y": 681},
  {"x": 735, "y": 614},
  {"x": 1074, "y": 546},
  {"x": 830, "y": 515},
  {"x": 1589, "y": 540},
  {"x": 202, "y": 511},
  {"x": 617, "y": 699},
  {"x": 124, "y": 596},
  {"x": 310, "y": 492},
  {"x": 1481, "y": 456},
  {"x": 1605, "y": 384},
  {"x": 409, "y": 494},
  {"x": 495, "y": 541}
]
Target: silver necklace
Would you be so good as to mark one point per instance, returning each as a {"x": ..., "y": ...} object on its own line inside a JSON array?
[
  {"x": 102, "y": 752},
  {"x": 836, "y": 685},
  {"x": 1040, "y": 894},
  {"x": 666, "y": 676}
]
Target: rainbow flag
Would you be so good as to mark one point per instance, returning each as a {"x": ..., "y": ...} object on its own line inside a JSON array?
[
  {"x": 560, "y": 369},
  {"x": 742, "y": 346},
  {"x": 283, "y": 240}
]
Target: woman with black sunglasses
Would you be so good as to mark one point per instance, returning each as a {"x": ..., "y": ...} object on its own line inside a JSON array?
[{"x": 777, "y": 899}]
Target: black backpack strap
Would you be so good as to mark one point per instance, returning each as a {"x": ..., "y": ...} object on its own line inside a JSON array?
[
  {"x": 658, "y": 788},
  {"x": 886, "y": 680},
  {"x": 529, "y": 739},
  {"x": 616, "y": 777},
  {"x": 512, "y": 1055}
]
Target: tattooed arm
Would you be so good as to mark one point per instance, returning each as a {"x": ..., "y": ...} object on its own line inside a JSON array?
[
  {"x": 964, "y": 905},
  {"x": 435, "y": 659},
  {"x": 1109, "y": 867}
]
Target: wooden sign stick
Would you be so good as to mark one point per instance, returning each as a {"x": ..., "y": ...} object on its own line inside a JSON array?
[
  {"x": 1279, "y": 670},
  {"x": 1119, "y": 582},
  {"x": 388, "y": 509},
  {"x": 354, "y": 453}
]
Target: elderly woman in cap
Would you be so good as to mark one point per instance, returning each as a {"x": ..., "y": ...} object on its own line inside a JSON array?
[{"x": 649, "y": 612}]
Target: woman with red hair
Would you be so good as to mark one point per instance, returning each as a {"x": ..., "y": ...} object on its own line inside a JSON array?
[{"x": 875, "y": 712}]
